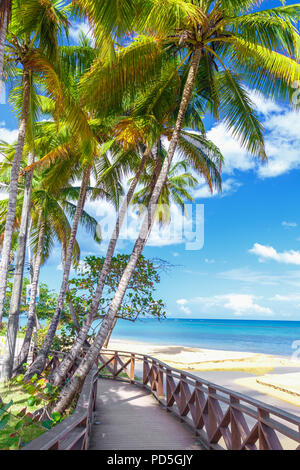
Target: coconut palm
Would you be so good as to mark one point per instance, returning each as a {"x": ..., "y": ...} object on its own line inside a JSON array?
[
  {"x": 60, "y": 372},
  {"x": 76, "y": 56},
  {"x": 13, "y": 318},
  {"x": 53, "y": 209},
  {"x": 34, "y": 25},
  {"x": 131, "y": 132},
  {"x": 50, "y": 222},
  {"x": 74, "y": 61},
  {"x": 225, "y": 34},
  {"x": 45, "y": 105},
  {"x": 176, "y": 190},
  {"x": 5, "y": 10},
  {"x": 148, "y": 118}
]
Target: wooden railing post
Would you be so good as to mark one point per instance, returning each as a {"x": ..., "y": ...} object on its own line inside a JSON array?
[
  {"x": 145, "y": 371},
  {"x": 132, "y": 367},
  {"x": 115, "y": 362},
  {"x": 235, "y": 432},
  {"x": 160, "y": 382},
  {"x": 169, "y": 382},
  {"x": 268, "y": 439},
  {"x": 263, "y": 445},
  {"x": 153, "y": 376},
  {"x": 212, "y": 419}
]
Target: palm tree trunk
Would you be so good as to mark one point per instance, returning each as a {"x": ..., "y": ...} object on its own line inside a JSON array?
[
  {"x": 105, "y": 344},
  {"x": 60, "y": 372},
  {"x": 3, "y": 29},
  {"x": 23, "y": 355},
  {"x": 38, "y": 364},
  {"x": 37, "y": 322},
  {"x": 13, "y": 190},
  {"x": 14, "y": 311},
  {"x": 73, "y": 313},
  {"x": 71, "y": 306},
  {"x": 75, "y": 383}
]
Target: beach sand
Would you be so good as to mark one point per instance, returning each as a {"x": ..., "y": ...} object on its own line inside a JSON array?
[
  {"x": 243, "y": 372},
  {"x": 196, "y": 359}
]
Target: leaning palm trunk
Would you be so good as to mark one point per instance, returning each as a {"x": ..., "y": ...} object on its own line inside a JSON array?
[
  {"x": 2, "y": 45},
  {"x": 13, "y": 319},
  {"x": 106, "y": 342},
  {"x": 73, "y": 313},
  {"x": 71, "y": 306},
  {"x": 37, "y": 322},
  {"x": 39, "y": 363},
  {"x": 76, "y": 382},
  {"x": 23, "y": 355},
  {"x": 13, "y": 189},
  {"x": 60, "y": 372}
]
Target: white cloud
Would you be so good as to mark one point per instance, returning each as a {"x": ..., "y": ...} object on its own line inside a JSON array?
[
  {"x": 83, "y": 27},
  {"x": 8, "y": 135},
  {"x": 286, "y": 298},
  {"x": 243, "y": 303},
  {"x": 236, "y": 157},
  {"x": 250, "y": 276},
  {"x": 263, "y": 105},
  {"x": 269, "y": 253},
  {"x": 182, "y": 305},
  {"x": 282, "y": 140},
  {"x": 237, "y": 304},
  {"x": 229, "y": 186},
  {"x": 289, "y": 224}
]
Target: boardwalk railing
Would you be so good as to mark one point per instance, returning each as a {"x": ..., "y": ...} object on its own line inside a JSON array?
[
  {"x": 221, "y": 418},
  {"x": 73, "y": 432}
]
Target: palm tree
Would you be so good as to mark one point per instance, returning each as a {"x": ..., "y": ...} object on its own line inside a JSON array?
[
  {"x": 135, "y": 129},
  {"x": 53, "y": 209},
  {"x": 210, "y": 32},
  {"x": 13, "y": 319},
  {"x": 5, "y": 9},
  {"x": 60, "y": 372},
  {"x": 74, "y": 61},
  {"x": 176, "y": 190},
  {"x": 147, "y": 119},
  {"x": 45, "y": 21},
  {"x": 50, "y": 221}
]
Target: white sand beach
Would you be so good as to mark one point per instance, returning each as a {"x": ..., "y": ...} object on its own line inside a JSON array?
[
  {"x": 271, "y": 379},
  {"x": 196, "y": 359}
]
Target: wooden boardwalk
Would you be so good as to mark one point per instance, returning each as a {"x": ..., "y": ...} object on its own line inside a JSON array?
[{"x": 127, "y": 417}]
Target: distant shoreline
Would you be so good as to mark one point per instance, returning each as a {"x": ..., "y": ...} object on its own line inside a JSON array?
[
  {"x": 256, "y": 336},
  {"x": 203, "y": 359}
]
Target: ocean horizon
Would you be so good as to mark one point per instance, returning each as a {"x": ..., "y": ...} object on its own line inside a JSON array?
[{"x": 274, "y": 337}]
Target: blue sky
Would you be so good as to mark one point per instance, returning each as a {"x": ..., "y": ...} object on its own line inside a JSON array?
[{"x": 249, "y": 266}]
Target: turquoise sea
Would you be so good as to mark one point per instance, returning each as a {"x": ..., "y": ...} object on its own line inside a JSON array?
[
  {"x": 260, "y": 336},
  {"x": 269, "y": 337}
]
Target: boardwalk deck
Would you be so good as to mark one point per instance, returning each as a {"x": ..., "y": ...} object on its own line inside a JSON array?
[{"x": 129, "y": 418}]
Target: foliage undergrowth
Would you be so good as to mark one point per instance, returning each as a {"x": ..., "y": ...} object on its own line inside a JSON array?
[
  {"x": 105, "y": 372},
  {"x": 23, "y": 410}
]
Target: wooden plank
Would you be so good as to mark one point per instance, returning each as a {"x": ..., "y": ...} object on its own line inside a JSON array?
[{"x": 129, "y": 418}]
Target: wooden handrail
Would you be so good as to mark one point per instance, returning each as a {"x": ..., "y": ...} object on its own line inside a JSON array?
[
  {"x": 222, "y": 418},
  {"x": 72, "y": 433}
]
